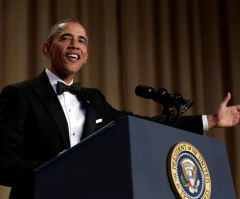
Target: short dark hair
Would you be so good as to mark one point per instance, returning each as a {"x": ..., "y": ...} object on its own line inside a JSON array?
[{"x": 55, "y": 28}]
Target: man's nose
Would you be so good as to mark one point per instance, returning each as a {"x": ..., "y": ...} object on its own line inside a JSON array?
[{"x": 74, "y": 45}]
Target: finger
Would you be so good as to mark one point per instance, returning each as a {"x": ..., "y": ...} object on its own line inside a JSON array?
[
  {"x": 238, "y": 107},
  {"x": 237, "y": 119},
  {"x": 62, "y": 152},
  {"x": 226, "y": 99}
]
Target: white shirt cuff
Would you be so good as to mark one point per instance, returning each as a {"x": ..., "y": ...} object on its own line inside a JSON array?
[{"x": 205, "y": 122}]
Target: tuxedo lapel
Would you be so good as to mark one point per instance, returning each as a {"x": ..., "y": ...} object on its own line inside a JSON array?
[{"x": 49, "y": 98}]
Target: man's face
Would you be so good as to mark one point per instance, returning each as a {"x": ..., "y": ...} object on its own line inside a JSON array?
[{"x": 68, "y": 51}]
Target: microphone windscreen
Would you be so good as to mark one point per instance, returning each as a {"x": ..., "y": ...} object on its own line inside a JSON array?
[{"x": 145, "y": 92}]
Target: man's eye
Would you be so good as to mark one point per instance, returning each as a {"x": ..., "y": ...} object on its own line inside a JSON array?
[
  {"x": 65, "y": 38},
  {"x": 82, "y": 41}
]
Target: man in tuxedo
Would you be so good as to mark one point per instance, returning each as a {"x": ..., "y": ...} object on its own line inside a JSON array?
[{"x": 43, "y": 116}]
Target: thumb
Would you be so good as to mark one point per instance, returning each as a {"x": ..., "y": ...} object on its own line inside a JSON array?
[{"x": 226, "y": 99}]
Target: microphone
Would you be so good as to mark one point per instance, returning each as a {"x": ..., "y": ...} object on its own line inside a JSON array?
[
  {"x": 146, "y": 92},
  {"x": 164, "y": 97},
  {"x": 178, "y": 99},
  {"x": 161, "y": 96}
]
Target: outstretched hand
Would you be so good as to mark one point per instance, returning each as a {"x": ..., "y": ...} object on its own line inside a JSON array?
[{"x": 226, "y": 116}]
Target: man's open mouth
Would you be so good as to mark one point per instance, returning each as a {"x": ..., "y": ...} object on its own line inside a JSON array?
[{"x": 73, "y": 56}]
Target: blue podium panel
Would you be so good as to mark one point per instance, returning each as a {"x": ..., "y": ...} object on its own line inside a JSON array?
[
  {"x": 150, "y": 146},
  {"x": 128, "y": 159}
]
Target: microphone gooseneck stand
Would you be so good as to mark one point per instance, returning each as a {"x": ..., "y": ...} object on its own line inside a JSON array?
[{"x": 168, "y": 101}]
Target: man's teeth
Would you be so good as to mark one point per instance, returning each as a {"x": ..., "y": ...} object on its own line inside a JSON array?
[{"x": 73, "y": 56}]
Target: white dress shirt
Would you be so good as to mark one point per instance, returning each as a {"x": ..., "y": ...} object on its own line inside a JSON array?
[{"x": 74, "y": 112}]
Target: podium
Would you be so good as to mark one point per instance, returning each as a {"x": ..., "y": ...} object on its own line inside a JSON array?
[{"x": 127, "y": 159}]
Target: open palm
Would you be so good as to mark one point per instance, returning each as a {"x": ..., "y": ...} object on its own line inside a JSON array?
[{"x": 227, "y": 116}]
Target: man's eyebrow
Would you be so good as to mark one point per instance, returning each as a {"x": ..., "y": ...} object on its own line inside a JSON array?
[
  {"x": 70, "y": 35},
  {"x": 65, "y": 34}
]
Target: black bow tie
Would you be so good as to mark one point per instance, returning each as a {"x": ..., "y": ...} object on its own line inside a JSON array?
[{"x": 73, "y": 88}]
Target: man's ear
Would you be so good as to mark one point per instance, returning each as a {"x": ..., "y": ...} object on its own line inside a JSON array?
[{"x": 46, "y": 49}]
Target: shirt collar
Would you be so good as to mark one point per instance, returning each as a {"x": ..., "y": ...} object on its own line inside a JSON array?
[{"x": 53, "y": 79}]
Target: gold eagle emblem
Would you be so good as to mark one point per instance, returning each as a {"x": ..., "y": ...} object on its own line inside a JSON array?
[{"x": 190, "y": 174}]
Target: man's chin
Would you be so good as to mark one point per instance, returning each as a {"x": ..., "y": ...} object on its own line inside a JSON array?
[{"x": 73, "y": 70}]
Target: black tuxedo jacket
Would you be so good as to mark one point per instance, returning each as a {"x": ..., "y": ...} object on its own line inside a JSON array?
[{"x": 33, "y": 128}]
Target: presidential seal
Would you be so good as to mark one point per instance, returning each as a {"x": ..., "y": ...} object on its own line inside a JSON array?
[{"x": 188, "y": 172}]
